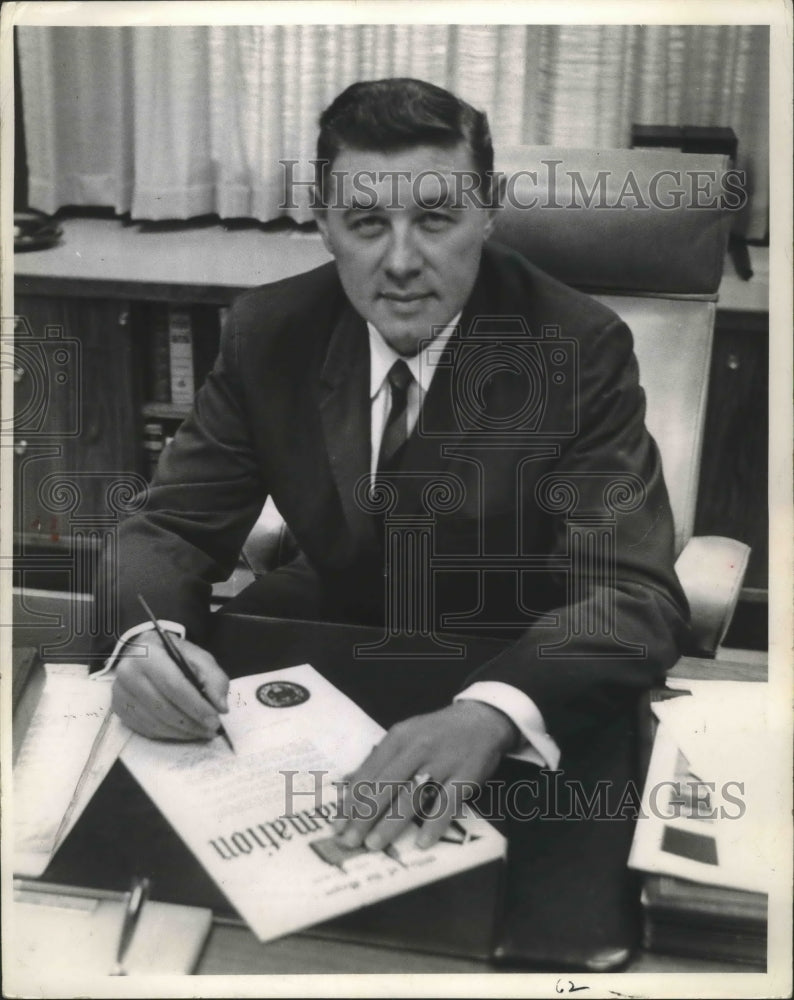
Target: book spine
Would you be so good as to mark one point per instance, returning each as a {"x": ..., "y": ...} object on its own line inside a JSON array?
[
  {"x": 667, "y": 897},
  {"x": 180, "y": 336},
  {"x": 702, "y": 943},
  {"x": 153, "y": 444}
]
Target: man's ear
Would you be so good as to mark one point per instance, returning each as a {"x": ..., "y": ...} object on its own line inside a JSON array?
[
  {"x": 321, "y": 218},
  {"x": 495, "y": 205}
]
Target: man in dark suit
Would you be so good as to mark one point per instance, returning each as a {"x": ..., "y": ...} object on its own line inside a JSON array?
[{"x": 469, "y": 389}]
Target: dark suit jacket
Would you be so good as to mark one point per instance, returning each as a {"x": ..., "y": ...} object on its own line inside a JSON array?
[{"x": 539, "y": 381}]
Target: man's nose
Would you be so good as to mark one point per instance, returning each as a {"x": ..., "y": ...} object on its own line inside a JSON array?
[{"x": 403, "y": 258}]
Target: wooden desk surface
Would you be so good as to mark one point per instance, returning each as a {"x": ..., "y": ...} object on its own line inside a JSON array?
[{"x": 233, "y": 950}]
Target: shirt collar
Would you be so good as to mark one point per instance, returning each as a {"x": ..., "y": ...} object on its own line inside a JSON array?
[{"x": 422, "y": 365}]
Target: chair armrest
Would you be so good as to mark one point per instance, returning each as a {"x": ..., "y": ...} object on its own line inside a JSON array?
[{"x": 711, "y": 570}]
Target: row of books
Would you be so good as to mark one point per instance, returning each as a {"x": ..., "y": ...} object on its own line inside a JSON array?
[{"x": 182, "y": 344}]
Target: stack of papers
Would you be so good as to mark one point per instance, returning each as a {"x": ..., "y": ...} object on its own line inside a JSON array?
[
  {"x": 58, "y": 935},
  {"x": 72, "y": 742},
  {"x": 707, "y": 798}
]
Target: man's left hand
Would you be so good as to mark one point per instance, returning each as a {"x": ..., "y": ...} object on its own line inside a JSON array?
[{"x": 458, "y": 747}]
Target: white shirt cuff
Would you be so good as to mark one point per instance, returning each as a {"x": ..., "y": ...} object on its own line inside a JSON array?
[
  {"x": 178, "y": 630},
  {"x": 522, "y": 711}
]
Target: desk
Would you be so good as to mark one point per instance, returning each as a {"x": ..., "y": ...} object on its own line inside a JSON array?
[
  {"x": 256, "y": 644},
  {"x": 233, "y": 950}
]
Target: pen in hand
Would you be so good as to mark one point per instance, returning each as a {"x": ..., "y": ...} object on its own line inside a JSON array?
[{"x": 178, "y": 659}]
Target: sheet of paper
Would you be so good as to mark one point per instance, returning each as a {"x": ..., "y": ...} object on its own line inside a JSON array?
[
  {"x": 78, "y": 937},
  {"x": 721, "y": 728},
  {"x": 62, "y": 761},
  {"x": 259, "y": 819},
  {"x": 698, "y": 828}
]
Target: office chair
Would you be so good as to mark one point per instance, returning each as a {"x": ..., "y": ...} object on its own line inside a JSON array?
[
  {"x": 657, "y": 262},
  {"x": 619, "y": 225}
]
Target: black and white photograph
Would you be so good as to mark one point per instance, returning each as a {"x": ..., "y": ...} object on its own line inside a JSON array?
[{"x": 396, "y": 535}]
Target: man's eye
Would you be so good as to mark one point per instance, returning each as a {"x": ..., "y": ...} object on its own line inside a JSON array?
[
  {"x": 435, "y": 222},
  {"x": 367, "y": 225}
]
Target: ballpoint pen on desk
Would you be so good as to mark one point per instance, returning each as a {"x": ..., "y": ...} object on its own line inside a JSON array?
[
  {"x": 173, "y": 651},
  {"x": 136, "y": 897}
]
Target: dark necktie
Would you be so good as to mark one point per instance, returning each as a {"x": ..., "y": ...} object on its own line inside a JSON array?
[{"x": 395, "y": 433}]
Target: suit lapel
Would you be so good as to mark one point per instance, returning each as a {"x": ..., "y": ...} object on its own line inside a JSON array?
[{"x": 345, "y": 413}]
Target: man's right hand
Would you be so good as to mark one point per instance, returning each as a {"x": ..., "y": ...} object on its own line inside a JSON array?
[{"x": 152, "y": 697}]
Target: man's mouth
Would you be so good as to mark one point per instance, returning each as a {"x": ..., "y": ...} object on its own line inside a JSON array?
[{"x": 405, "y": 296}]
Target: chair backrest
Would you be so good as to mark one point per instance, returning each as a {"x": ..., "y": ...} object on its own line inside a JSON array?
[{"x": 646, "y": 232}]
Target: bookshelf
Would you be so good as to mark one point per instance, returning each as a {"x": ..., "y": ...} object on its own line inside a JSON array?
[{"x": 82, "y": 426}]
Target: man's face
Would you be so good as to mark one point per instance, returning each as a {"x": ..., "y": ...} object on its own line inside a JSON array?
[{"x": 406, "y": 261}]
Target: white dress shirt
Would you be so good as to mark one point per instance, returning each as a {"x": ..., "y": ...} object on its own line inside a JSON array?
[{"x": 538, "y": 747}]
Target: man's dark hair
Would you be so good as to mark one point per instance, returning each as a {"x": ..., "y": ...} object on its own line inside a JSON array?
[{"x": 397, "y": 113}]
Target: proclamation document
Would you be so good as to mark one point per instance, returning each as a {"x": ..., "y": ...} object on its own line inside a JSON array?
[{"x": 259, "y": 819}]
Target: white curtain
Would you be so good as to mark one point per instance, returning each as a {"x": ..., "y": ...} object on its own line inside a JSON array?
[{"x": 173, "y": 122}]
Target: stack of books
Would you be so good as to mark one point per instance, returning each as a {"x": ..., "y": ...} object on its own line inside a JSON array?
[{"x": 693, "y": 918}]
